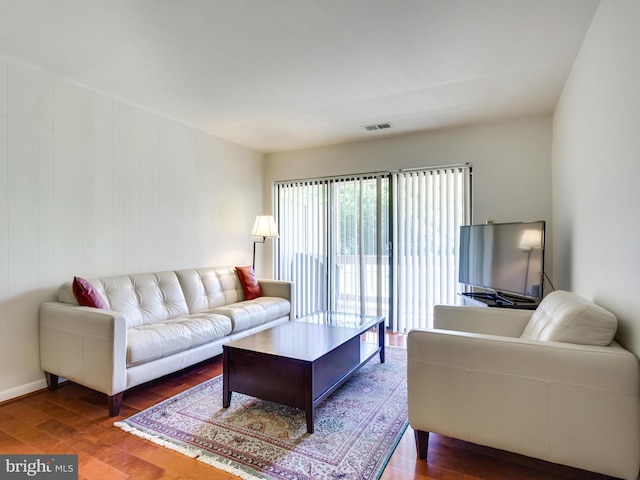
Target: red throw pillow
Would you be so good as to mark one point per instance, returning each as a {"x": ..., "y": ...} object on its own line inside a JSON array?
[
  {"x": 86, "y": 295},
  {"x": 249, "y": 283}
]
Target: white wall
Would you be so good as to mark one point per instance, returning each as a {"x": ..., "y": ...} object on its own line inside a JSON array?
[
  {"x": 93, "y": 186},
  {"x": 511, "y": 164},
  {"x": 596, "y": 169}
]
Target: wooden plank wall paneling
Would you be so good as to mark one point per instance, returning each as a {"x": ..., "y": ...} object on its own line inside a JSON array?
[
  {"x": 4, "y": 204},
  {"x": 94, "y": 186}
]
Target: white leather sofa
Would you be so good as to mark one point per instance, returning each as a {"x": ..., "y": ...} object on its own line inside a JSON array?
[
  {"x": 550, "y": 383},
  {"x": 153, "y": 324}
]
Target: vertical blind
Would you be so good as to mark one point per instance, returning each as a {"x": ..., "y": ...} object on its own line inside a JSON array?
[
  {"x": 383, "y": 243},
  {"x": 303, "y": 248},
  {"x": 428, "y": 208}
]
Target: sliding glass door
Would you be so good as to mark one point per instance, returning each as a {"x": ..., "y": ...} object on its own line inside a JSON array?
[
  {"x": 333, "y": 245},
  {"x": 383, "y": 243},
  {"x": 359, "y": 236}
]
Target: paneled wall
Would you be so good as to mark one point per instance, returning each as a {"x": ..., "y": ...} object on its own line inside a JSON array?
[{"x": 94, "y": 186}]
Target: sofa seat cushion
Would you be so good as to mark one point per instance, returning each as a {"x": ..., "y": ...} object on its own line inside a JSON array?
[
  {"x": 162, "y": 339},
  {"x": 254, "y": 312},
  {"x": 566, "y": 317}
]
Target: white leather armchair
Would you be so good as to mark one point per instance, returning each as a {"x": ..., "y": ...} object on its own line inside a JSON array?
[{"x": 549, "y": 384}]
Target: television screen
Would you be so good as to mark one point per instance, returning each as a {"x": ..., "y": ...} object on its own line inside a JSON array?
[{"x": 503, "y": 257}]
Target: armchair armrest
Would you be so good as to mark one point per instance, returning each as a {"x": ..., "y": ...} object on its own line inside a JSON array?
[
  {"x": 508, "y": 322},
  {"x": 83, "y": 344}
]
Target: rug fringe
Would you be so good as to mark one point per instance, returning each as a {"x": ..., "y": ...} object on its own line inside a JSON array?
[
  {"x": 190, "y": 452},
  {"x": 221, "y": 465}
]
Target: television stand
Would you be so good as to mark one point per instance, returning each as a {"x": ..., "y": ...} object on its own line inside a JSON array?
[{"x": 499, "y": 300}]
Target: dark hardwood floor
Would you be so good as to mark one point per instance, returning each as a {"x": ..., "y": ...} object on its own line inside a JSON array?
[{"x": 74, "y": 419}]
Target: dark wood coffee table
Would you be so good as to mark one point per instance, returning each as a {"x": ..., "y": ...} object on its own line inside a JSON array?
[{"x": 300, "y": 363}]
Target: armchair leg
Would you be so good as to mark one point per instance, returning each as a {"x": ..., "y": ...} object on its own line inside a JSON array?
[
  {"x": 114, "y": 402},
  {"x": 422, "y": 443},
  {"x": 52, "y": 380}
]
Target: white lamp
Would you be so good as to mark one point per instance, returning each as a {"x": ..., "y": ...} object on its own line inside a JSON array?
[{"x": 265, "y": 227}]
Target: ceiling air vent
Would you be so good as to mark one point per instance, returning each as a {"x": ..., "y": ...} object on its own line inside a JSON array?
[{"x": 377, "y": 126}]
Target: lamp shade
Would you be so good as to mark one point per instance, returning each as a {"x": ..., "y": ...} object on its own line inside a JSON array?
[
  {"x": 265, "y": 226},
  {"x": 531, "y": 239}
]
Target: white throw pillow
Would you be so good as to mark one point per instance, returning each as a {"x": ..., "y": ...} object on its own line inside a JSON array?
[{"x": 566, "y": 317}]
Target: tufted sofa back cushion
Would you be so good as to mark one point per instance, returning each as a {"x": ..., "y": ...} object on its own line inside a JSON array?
[
  {"x": 210, "y": 287},
  {"x": 143, "y": 298},
  {"x": 566, "y": 317}
]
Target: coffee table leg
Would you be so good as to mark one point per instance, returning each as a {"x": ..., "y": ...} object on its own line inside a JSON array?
[
  {"x": 381, "y": 340},
  {"x": 307, "y": 382},
  {"x": 310, "y": 420},
  {"x": 226, "y": 394}
]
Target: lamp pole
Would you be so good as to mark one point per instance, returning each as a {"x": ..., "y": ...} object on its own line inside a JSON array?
[{"x": 253, "y": 265}]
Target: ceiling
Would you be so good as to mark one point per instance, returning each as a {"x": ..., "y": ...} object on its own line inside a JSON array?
[{"x": 276, "y": 75}]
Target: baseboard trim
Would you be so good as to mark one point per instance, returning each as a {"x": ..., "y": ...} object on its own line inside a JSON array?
[{"x": 22, "y": 390}]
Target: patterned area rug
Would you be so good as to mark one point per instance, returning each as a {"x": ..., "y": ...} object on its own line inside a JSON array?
[{"x": 357, "y": 428}]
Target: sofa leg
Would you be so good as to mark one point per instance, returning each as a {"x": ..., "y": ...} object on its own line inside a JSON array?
[
  {"x": 114, "y": 402},
  {"x": 422, "y": 443},
  {"x": 52, "y": 380}
]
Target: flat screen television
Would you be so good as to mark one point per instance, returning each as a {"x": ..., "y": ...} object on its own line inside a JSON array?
[{"x": 507, "y": 259}]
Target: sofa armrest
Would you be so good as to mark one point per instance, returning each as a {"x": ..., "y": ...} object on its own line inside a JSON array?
[
  {"x": 85, "y": 345},
  {"x": 279, "y": 288},
  {"x": 557, "y": 401},
  {"x": 508, "y": 322}
]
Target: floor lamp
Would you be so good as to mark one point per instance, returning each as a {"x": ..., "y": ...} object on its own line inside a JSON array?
[
  {"x": 265, "y": 227},
  {"x": 530, "y": 240}
]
